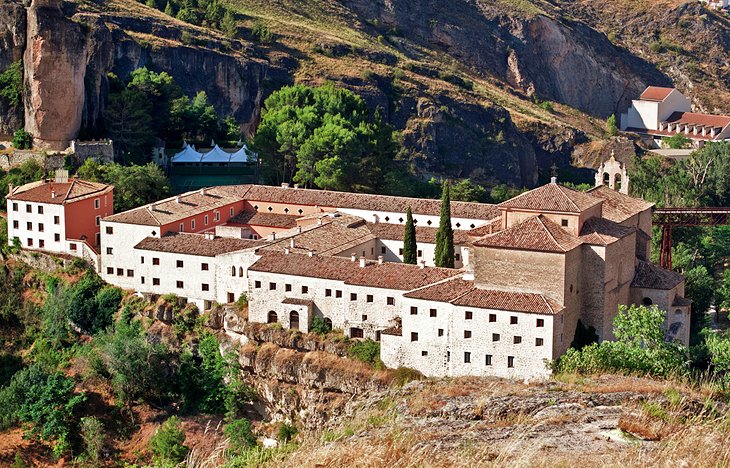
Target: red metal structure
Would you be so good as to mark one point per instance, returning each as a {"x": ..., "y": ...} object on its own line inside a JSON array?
[{"x": 668, "y": 218}]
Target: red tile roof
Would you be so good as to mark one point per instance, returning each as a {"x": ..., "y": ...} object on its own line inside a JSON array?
[
  {"x": 59, "y": 193},
  {"x": 655, "y": 93},
  {"x": 195, "y": 244},
  {"x": 424, "y": 234},
  {"x": 257, "y": 218},
  {"x": 537, "y": 233},
  {"x": 490, "y": 227},
  {"x": 398, "y": 276},
  {"x": 464, "y": 293},
  {"x": 295, "y": 301},
  {"x": 618, "y": 207},
  {"x": 552, "y": 197},
  {"x": 650, "y": 276},
  {"x": 600, "y": 231}
]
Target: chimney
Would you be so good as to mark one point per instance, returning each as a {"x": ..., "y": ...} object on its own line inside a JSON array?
[
  {"x": 292, "y": 243},
  {"x": 151, "y": 207},
  {"x": 286, "y": 251},
  {"x": 10, "y": 188},
  {"x": 61, "y": 176},
  {"x": 469, "y": 275},
  {"x": 380, "y": 259},
  {"x": 203, "y": 191},
  {"x": 422, "y": 264},
  {"x": 284, "y": 185},
  {"x": 296, "y": 186},
  {"x": 362, "y": 262},
  {"x": 272, "y": 236},
  {"x": 177, "y": 199},
  {"x": 319, "y": 221},
  {"x": 53, "y": 193},
  {"x": 311, "y": 253},
  {"x": 299, "y": 229},
  {"x": 553, "y": 180},
  {"x": 209, "y": 235},
  {"x": 375, "y": 218},
  {"x": 353, "y": 257}
]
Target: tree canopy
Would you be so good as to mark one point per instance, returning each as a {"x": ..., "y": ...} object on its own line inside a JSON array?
[
  {"x": 445, "y": 233},
  {"x": 410, "y": 249}
]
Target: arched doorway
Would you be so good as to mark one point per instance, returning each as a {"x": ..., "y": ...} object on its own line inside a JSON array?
[
  {"x": 294, "y": 320},
  {"x": 272, "y": 317},
  {"x": 328, "y": 322}
]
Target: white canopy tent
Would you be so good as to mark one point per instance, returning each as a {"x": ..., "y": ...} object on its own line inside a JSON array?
[
  {"x": 216, "y": 155},
  {"x": 187, "y": 155},
  {"x": 243, "y": 155}
]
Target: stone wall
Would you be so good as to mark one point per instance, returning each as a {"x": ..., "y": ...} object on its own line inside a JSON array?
[
  {"x": 102, "y": 151},
  {"x": 50, "y": 162}
]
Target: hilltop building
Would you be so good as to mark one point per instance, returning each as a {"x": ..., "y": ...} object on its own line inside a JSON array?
[
  {"x": 60, "y": 215},
  {"x": 664, "y": 112}
]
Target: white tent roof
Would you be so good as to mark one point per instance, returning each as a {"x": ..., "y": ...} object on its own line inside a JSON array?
[
  {"x": 242, "y": 155},
  {"x": 216, "y": 155},
  {"x": 188, "y": 155}
]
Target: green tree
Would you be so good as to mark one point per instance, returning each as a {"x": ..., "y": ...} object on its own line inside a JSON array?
[
  {"x": 611, "y": 127},
  {"x": 718, "y": 347},
  {"x": 677, "y": 141},
  {"x": 228, "y": 24},
  {"x": 160, "y": 89},
  {"x": 168, "y": 443},
  {"x": 22, "y": 140},
  {"x": 466, "y": 190},
  {"x": 261, "y": 32},
  {"x": 699, "y": 286},
  {"x": 133, "y": 185},
  {"x": 168, "y": 10},
  {"x": 240, "y": 436},
  {"x": 410, "y": 248},
  {"x": 11, "y": 85},
  {"x": 320, "y": 325},
  {"x": 128, "y": 119},
  {"x": 93, "y": 436},
  {"x": 445, "y": 234},
  {"x": 503, "y": 192}
]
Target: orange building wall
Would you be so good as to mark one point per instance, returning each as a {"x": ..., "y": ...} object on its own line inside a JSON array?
[
  {"x": 200, "y": 226},
  {"x": 80, "y": 217}
]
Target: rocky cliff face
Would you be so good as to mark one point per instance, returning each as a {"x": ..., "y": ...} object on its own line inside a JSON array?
[{"x": 12, "y": 46}]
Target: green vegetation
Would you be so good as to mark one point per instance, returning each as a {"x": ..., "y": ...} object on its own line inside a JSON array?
[
  {"x": 206, "y": 13},
  {"x": 410, "y": 249},
  {"x": 261, "y": 32},
  {"x": 467, "y": 191},
  {"x": 168, "y": 443},
  {"x": 22, "y": 140},
  {"x": 133, "y": 185},
  {"x": 611, "y": 127},
  {"x": 240, "y": 436},
  {"x": 286, "y": 432},
  {"x": 29, "y": 171},
  {"x": 320, "y": 325},
  {"x": 324, "y": 137},
  {"x": 366, "y": 351},
  {"x": 11, "y": 85},
  {"x": 445, "y": 234},
  {"x": 677, "y": 141}
]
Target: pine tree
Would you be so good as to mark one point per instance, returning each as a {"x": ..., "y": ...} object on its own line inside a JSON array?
[
  {"x": 168, "y": 10},
  {"x": 445, "y": 234},
  {"x": 409, "y": 239}
]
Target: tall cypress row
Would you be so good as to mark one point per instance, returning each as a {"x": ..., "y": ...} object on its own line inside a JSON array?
[
  {"x": 409, "y": 240},
  {"x": 445, "y": 235}
]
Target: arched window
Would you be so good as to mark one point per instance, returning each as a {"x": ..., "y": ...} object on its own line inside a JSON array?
[
  {"x": 272, "y": 317},
  {"x": 606, "y": 178},
  {"x": 233, "y": 271},
  {"x": 617, "y": 181},
  {"x": 294, "y": 320},
  {"x": 240, "y": 272},
  {"x": 647, "y": 301}
]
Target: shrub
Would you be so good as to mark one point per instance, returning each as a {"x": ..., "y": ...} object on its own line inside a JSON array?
[
  {"x": 320, "y": 325},
  {"x": 261, "y": 32},
  {"x": 287, "y": 432},
  {"x": 403, "y": 375},
  {"x": 92, "y": 433},
  {"x": 611, "y": 127},
  {"x": 22, "y": 139},
  {"x": 366, "y": 351},
  {"x": 11, "y": 85},
  {"x": 677, "y": 141},
  {"x": 240, "y": 436},
  {"x": 167, "y": 444}
]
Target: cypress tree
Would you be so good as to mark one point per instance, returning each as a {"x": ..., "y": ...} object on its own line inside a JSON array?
[
  {"x": 409, "y": 239},
  {"x": 445, "y": 234}
]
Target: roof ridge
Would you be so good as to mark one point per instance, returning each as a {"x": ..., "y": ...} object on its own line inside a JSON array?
[
  {"x": 541, "y": 219},
  {"x": 562, "y": 189},
  {"x": 451, "y": 278}
]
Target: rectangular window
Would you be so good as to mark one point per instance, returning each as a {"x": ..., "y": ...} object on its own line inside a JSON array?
[
  {"x": 98, "y": 220},
  {"x": 57, "y": 237},
  {"x": 41, "y": 243},
  {"x": 257, "y": 284},
  {"x": 142, "y": 279},
  {"x": 414, "y": 310},
  {"x": 217, "y": 216},
  {"x": 30, "y": 242},
  {"x": 448, "y": 356},
  {"x": 41, "y": 227},
  {"x": 179, "y": 284},
  {"x": 16, "y": 224},
  {"x": 513, "y": 320},
  {"x": 338, "y": 293},
  {"x": 109, "y": 230},
  {"x": 230, "y": 212},
  {"x": 495, "y": 336},
  {"x": 517, "y": 339},
  {"x": 272, "y": 286},
  {"x": 488, "y": 360},
  {"x": 564, "y": 222},
  {"x": 441, "y": 332},
  {"x": 205, "y": 220},
  {"x": 109, "y": 270},
  {"x": 432, "y": 313},
  {"x": 540, "y": 323},
  {"x": 155, "y": 281},
  {"x": 353, "y": 296},
  {"x": 420, "y": 253},
  {"x": 414, "y": 336},
  {"x": 467, "y": 315},
  {"x": 72, "y": 246},
  {"x": 109, "y": 251},
  {"x": 179, "y": 263},
  {"x": 510, "y": 361},
  {"x": 400, "y": 251},
  {"x": 155, "y": 261},
  {"x": 382, "y": 250},
  {"x": 130, "y": 273},
  {"x": 40, "y": 209},
  {"x": 141, "y": 259},
  {"x": 539, "y": 342},
  {"x": 28, "y": 209},
  {"x": 328, "y": 293},
  {"x": 369, "y": 298},
  {"x": 205, "y": 287},
  {"x": 97, "y": 204},
  {"x": 192, "y": 225},
  {"x": 305, "y": 289},
  {"x": 467, "y": 333},
  {"x": 424, "y": 353},
  {"x": 204, "y": 267},
  {"x": 15, "y": 207},
  {"x": 182, "y": 227},
  {"x": 56, "y": 220},
  {"x": 364, "y": 318},
  {"x": 29, "y": 226},
  {"x": 492, "y": 317},
  {"x": 120, "y": 271},
  {"x": 390, "y": 301},
  {"x": 287, "y": 287},
  {"x": 467, "y": 357},
  {"x": 457, "y": 257},
  {"x": 356, "y": 333}
]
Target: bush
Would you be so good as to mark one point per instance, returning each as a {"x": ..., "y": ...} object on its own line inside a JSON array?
[
  {"x": 366, "y": 351},
  {"x": 677, "y": 141},
  {"x": 92, "y": 433},
  {"x": 320, "y": 325},
  {"x": 167, "y": 444},
  {"x": 611, "y": 126},
  {"x": 403, "y": 375},
  {"x": 22, "y": 139},
  {"x": 261, "y": 32},
  {"x": 11, "y": 85},
  {"x": 287, "y": 432},
  {"x": 240, "y": 436}
]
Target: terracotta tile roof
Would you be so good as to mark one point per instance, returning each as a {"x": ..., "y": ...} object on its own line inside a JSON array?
[
  {"x": 552, "y": 197},
  {"x": 59, "y": 193},
  {"x": 295, "y": 301},
  {"x": 600, "y": 231},
  {"x": 655, "y": 93},
  {"x": 694, "y": 118},
  {"x": 195, "y": 244},
  {"x": 334, "y": 237},
  {"x": 330, "y": 199},
  {"x": 490, "y": 227},
  {"x": 536, "y": 233},
  {"x": 182, "y": 206},
  {"x": 651, "y": 276},
  {"x": 618, "y": 207},
  {"x": 257, "y": 218},
  {"x": 387, "y": 275},
  {"x": 426, "y": 235},
  {"x": 464, "y": 293}
]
